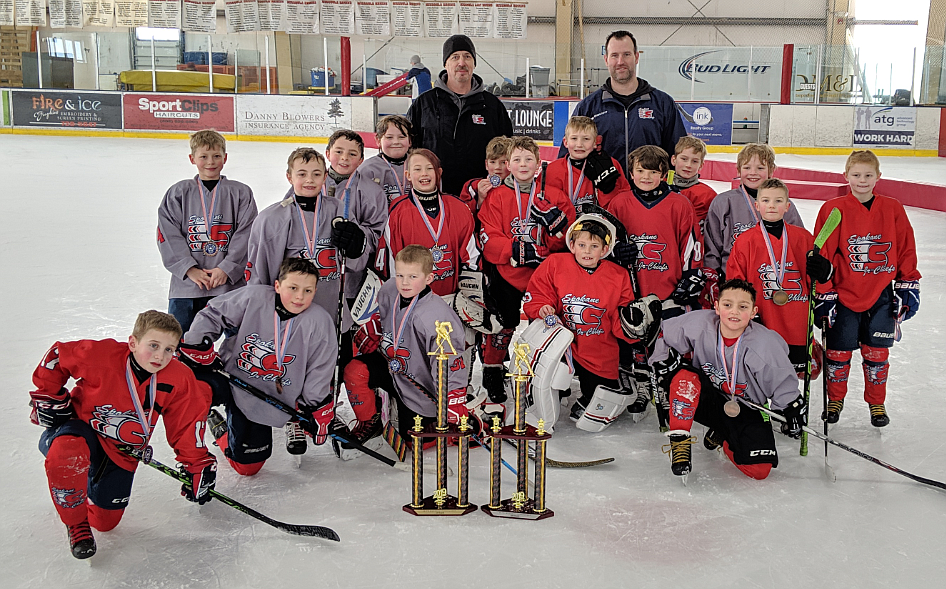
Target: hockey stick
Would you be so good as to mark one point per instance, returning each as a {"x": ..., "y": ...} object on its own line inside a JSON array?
[
  {"x": 336, "y": 376},
  {"x": 827, "y": 440},
  {"x": 830, "y": 224},
  {"x": 297, "y": 529},
  {"x": 828, "y": 471},
  {"x": 568, "y": 464}
]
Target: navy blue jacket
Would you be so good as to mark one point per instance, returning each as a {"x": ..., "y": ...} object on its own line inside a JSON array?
[{"x": 651, "y": 119}]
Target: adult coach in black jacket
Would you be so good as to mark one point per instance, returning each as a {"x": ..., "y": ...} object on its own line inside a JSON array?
[{"x": 457, "y": 118}]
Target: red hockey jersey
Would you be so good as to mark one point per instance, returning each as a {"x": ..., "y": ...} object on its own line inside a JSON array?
[
  {"x": 869, "y": 249},
  {"x": 101, "y": 398},
  {"x": 588, "y": 305},
  {"x": 667, "y": 238},
  {"x": 501, "y": 221},
  {"x": 749, "y": 260},
  {"x": 456, "y": 245},
  {"x": 580, "y": 189},
  {"x": 700, "y": 196}
]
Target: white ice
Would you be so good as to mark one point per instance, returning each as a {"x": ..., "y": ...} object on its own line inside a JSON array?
[{"x": 80, "y": 261}]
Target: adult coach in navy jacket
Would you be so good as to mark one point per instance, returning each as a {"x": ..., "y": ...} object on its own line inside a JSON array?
[
  {"x": 628, "y": 111},
  {"x": 457, "y": 118}
]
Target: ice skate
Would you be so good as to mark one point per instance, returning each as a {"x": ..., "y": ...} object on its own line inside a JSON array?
[
  {"x": 217, "y": 424},
  {"x": 295, "y": 441},
  {"x": 81, "y": 541},
  {"x": 878, "y": 415},
  {"x": 833, "y": 412},
  {"x": 679, "y": 449}
]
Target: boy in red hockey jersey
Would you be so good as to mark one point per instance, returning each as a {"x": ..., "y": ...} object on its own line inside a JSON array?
[
  {"x": 732, "y": 356},
  {"x": 387, "y": 169},
  {"x": 587, "y": 292},
  {"x": 121, "y": 389},
  {"x": 284, "y": 346},
  {"x": 875, "y": 287},
  {"x": 204, "y": 259},
  {"x": 474, "y": 191},
  {"x": 586, "y": 174},
  {"x": 687, "y": 161},
  {"x": 772, "y": 258},
  {"x": 519, "y": 228}
]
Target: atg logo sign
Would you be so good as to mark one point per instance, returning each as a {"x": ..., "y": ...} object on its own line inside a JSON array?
[{"x": 699, "y": 64}]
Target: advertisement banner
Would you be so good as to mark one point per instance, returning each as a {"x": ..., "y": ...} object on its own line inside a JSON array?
[
  {"x": 710, "y": 122},
  {"x": 45, "y": 108},
  {"x": 293, "y": 116},
  {"x": 535, "y": 118},
  {"x": 178, "y": 112},
  {"x": 735, "y": 73},
  {"x": 884, "y": 126}
]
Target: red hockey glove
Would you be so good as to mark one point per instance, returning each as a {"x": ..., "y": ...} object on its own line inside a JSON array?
[
  {"x": 710, "y": 293},
  {"x": 368, "y": 337},
  {"x": 318, "y": 420},
  {"x": 201, "y": 356},
  {"x": 52, "y": 413}
]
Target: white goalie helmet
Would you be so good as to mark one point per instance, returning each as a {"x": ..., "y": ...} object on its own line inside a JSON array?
[{"x": 596, "y": 225}]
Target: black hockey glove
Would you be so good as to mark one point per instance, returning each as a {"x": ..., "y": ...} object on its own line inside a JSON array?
[
  {"x": 601, "y": 171},
  {"x": 689, "y": 288},
  {"x": 348, "y": 237},
  {"x": 625, "y": 253},
  {"x": 200, "y": 483},
  {"x": 819, "y": 267},
  {"x": 527, "y": 254},
  {"x": 549, "y": 216},
  {"x": 641, "y": 319},
  {"x": 795, "y": 417},
  {"x": 50, "y": 413},
  {"x": 201, "y": 356},
  {"x": 665, "y": 369}
]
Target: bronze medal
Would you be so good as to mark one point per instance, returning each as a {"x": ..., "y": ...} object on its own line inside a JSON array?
[
  {"x": 731, "y": 408},
  {"x": 780, "y": 297}
]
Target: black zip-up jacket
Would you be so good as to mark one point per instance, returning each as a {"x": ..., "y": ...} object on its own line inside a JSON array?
[{"x": 457, "y": 129}]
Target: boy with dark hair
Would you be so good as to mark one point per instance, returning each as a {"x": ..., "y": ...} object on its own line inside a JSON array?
[
  {"x": 586, "y": 174},
  {"x": 120, "y": 390},
  {"x": 876, "y": 285},
  {"x": 474, "y": 191},
  {"x": 284, "y": 346},
  {"x": 386, "y": 169},
  {"x": 732, "y": 356},
  {"x": 205, "y": 257}
]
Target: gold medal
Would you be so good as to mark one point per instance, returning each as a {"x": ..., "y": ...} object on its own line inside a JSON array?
[
  {"x": 731, "y": 408},
  {"x": 780, "y": 297}
]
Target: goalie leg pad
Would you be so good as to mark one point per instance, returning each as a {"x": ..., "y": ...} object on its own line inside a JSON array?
[
  {"x": 605, "y": 406},
  {"x": 547, "y": 345},
  {"x": 366, "y": 303}
]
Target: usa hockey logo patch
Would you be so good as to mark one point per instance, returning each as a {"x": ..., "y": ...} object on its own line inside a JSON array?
[
  {"x": 479, "y": 120},
  {"x": 645, "y": 113}
]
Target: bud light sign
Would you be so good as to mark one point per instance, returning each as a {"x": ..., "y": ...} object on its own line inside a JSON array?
[{"x": 710, "y": 122}]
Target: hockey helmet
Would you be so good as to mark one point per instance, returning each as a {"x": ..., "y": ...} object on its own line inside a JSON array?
[{"x": 596, "y": 225}]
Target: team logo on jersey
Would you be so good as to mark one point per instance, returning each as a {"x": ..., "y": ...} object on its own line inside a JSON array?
[
  {"x": 791, "y": 282},
  {"x": 397, "y": 358},
  {"x": 582, "y": 315},
  {"x": 68, "y": 498},
  {"x": 118, "y": 425},
  {"x": 258, "y": 359},
  {"x": 717, "y": 376},
  {"x": 526, "y": 230},
  {"x": 479, "y": 120},
  {"x": 738, "y": 229},
  {"x": 868, "y": 254},
  {"x": 645, "y": 113},
  {"x": 443, "y": 262},
  {"x": 197, "y": 233},
  {"x": 325, "y": 259},
  {"x": 51, "y": 360},
  {"x": 650, "y": 252}
]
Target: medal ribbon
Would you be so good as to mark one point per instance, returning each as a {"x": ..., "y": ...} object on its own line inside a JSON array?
[
  {"x": 143, "y": 418},
  {"x": 730, "y": 377},
  {"x": 779, "y": 269},
  {"x": 581, "y": 178},
  {"x": 430, "y": 228},
  {"x": 515, "y": 184},
  {"x": 280, "y": 350},
  {"x": 208, "y": 220},
  {"x": 400, "y": 185},
  {"x": 749, "y": 203},
  {"x": 398, "y": 330},
  {"x": 310, "y": 243}
]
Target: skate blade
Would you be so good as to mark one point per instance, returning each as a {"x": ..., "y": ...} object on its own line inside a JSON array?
[
  {"x": 297, "y": 458},
  {"x": 829, "y": 472},
  {"x": 638, "y": 417},
  {"x": 683, "y": 479}
]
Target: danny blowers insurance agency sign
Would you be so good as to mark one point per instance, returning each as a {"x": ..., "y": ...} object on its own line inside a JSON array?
[{"x": 884, "y": 126}]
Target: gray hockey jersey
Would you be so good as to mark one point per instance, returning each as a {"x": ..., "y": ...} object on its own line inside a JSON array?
[
  {"x": 764, "y": 371},
  {"x": 414, "y": 372},
  {"x": 729, "y": 215},
  {"x": 390, "y": 177},
  {"x": 308, "y": 357},
  {"x": 183, "y": 235},
  {"x": 278, "y": 233}
]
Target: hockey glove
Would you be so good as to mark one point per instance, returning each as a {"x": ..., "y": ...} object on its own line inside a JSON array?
[
  {"x": 527, "y": 254},
  {"x": 710, "y": 292},
  {"x": 795, "y": 417},
  {"x": 625, "y": 253},
  {"x": 666, "y": 368},
  {"x": 201, "y": 356},
  {"x": 641, "y": 319},
  {"x": 200, "y": 482},
  {"x": 819, "y": 267},
  {"x": 826, "y": 307},
  {"x": 456, "y": 405},
  {"x": 318, "y": 420},
  {"x": 51, "y": 413},
  {"x": 368, "y": 337},
  {"x": 906, "y": 298},
  {"x": 601, "y": 171},
  {"x": 689, "y": 288},
  {"x": 348, "y": 237},
  {"x": 549, "y": 216}
]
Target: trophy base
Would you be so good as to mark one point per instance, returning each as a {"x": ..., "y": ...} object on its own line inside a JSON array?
[
  {"x": 508, "y": 510},
  {"x": 449, "y": 507}
]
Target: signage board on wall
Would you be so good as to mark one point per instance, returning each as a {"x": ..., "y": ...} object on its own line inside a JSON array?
[
  {"x": 711, "y": 122},
  {"x": 884, "y": 126},
  {"x": 71, "y": 110},
  {"x": 178, "y": 112},
  {"x": 307, "y": 116},
  {"x": 535, "y": 118},
  {"x": 736, "y": 73}
]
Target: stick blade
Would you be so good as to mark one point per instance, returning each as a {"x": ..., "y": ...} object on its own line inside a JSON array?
[{"x": 830, "y": 224}]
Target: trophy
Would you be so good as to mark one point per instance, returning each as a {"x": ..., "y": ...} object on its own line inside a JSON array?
[
  {"x": 441, "y": 503},
  {"x": 519, "y": 506}
]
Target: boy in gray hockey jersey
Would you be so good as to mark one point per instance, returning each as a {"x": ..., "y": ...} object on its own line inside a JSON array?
[
  {"x": 204, "y": 259},
  {"x": 284, "y": 346},
  {"x": 387, "y": 169},
  {"x": 731, "y": 357}
]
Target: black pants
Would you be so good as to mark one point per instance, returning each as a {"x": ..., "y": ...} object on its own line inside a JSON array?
[{"x": 589, "y": 381}]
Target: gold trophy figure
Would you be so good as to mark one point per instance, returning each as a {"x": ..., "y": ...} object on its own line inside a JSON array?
[{"x": 441, "y": 502}]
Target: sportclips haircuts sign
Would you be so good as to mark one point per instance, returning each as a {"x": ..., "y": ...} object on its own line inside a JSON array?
[
  {"x": 178, "y": 112},
  {"x": 43, "y": 108},
  {"x": 534, "y": 118}
]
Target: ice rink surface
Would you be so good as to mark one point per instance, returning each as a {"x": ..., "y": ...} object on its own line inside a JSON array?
[{"x": 80, "y": 261}]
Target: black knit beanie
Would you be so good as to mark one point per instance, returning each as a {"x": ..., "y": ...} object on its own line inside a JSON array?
[{"x": 458, "y": 43}]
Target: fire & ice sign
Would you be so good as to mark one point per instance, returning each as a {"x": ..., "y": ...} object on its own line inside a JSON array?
[
  {"x": 44, "y": 108},
  {"x": 884, "y": 126}
]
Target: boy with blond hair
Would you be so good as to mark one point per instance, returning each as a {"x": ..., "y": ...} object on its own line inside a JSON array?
[
  {"x": 586, "y": 174},
  {"x": 203, "y": 230},
  {"x": 386, "y": 169},
  {"x": 876, "y": 285},
  {"x": 474, "y": 191},
  {"x": 687, "y": 161}
]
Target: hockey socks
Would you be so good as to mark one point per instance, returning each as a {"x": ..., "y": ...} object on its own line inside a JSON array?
[
  {"x": 838, "y": 365},
  {"x": 361, "y": 396},
  {"x": 756, "y": 471},
  {"x": 875, "y": 367},
  {"x": 684, "y": 397},
  {"x": 67, "y": 470}
]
